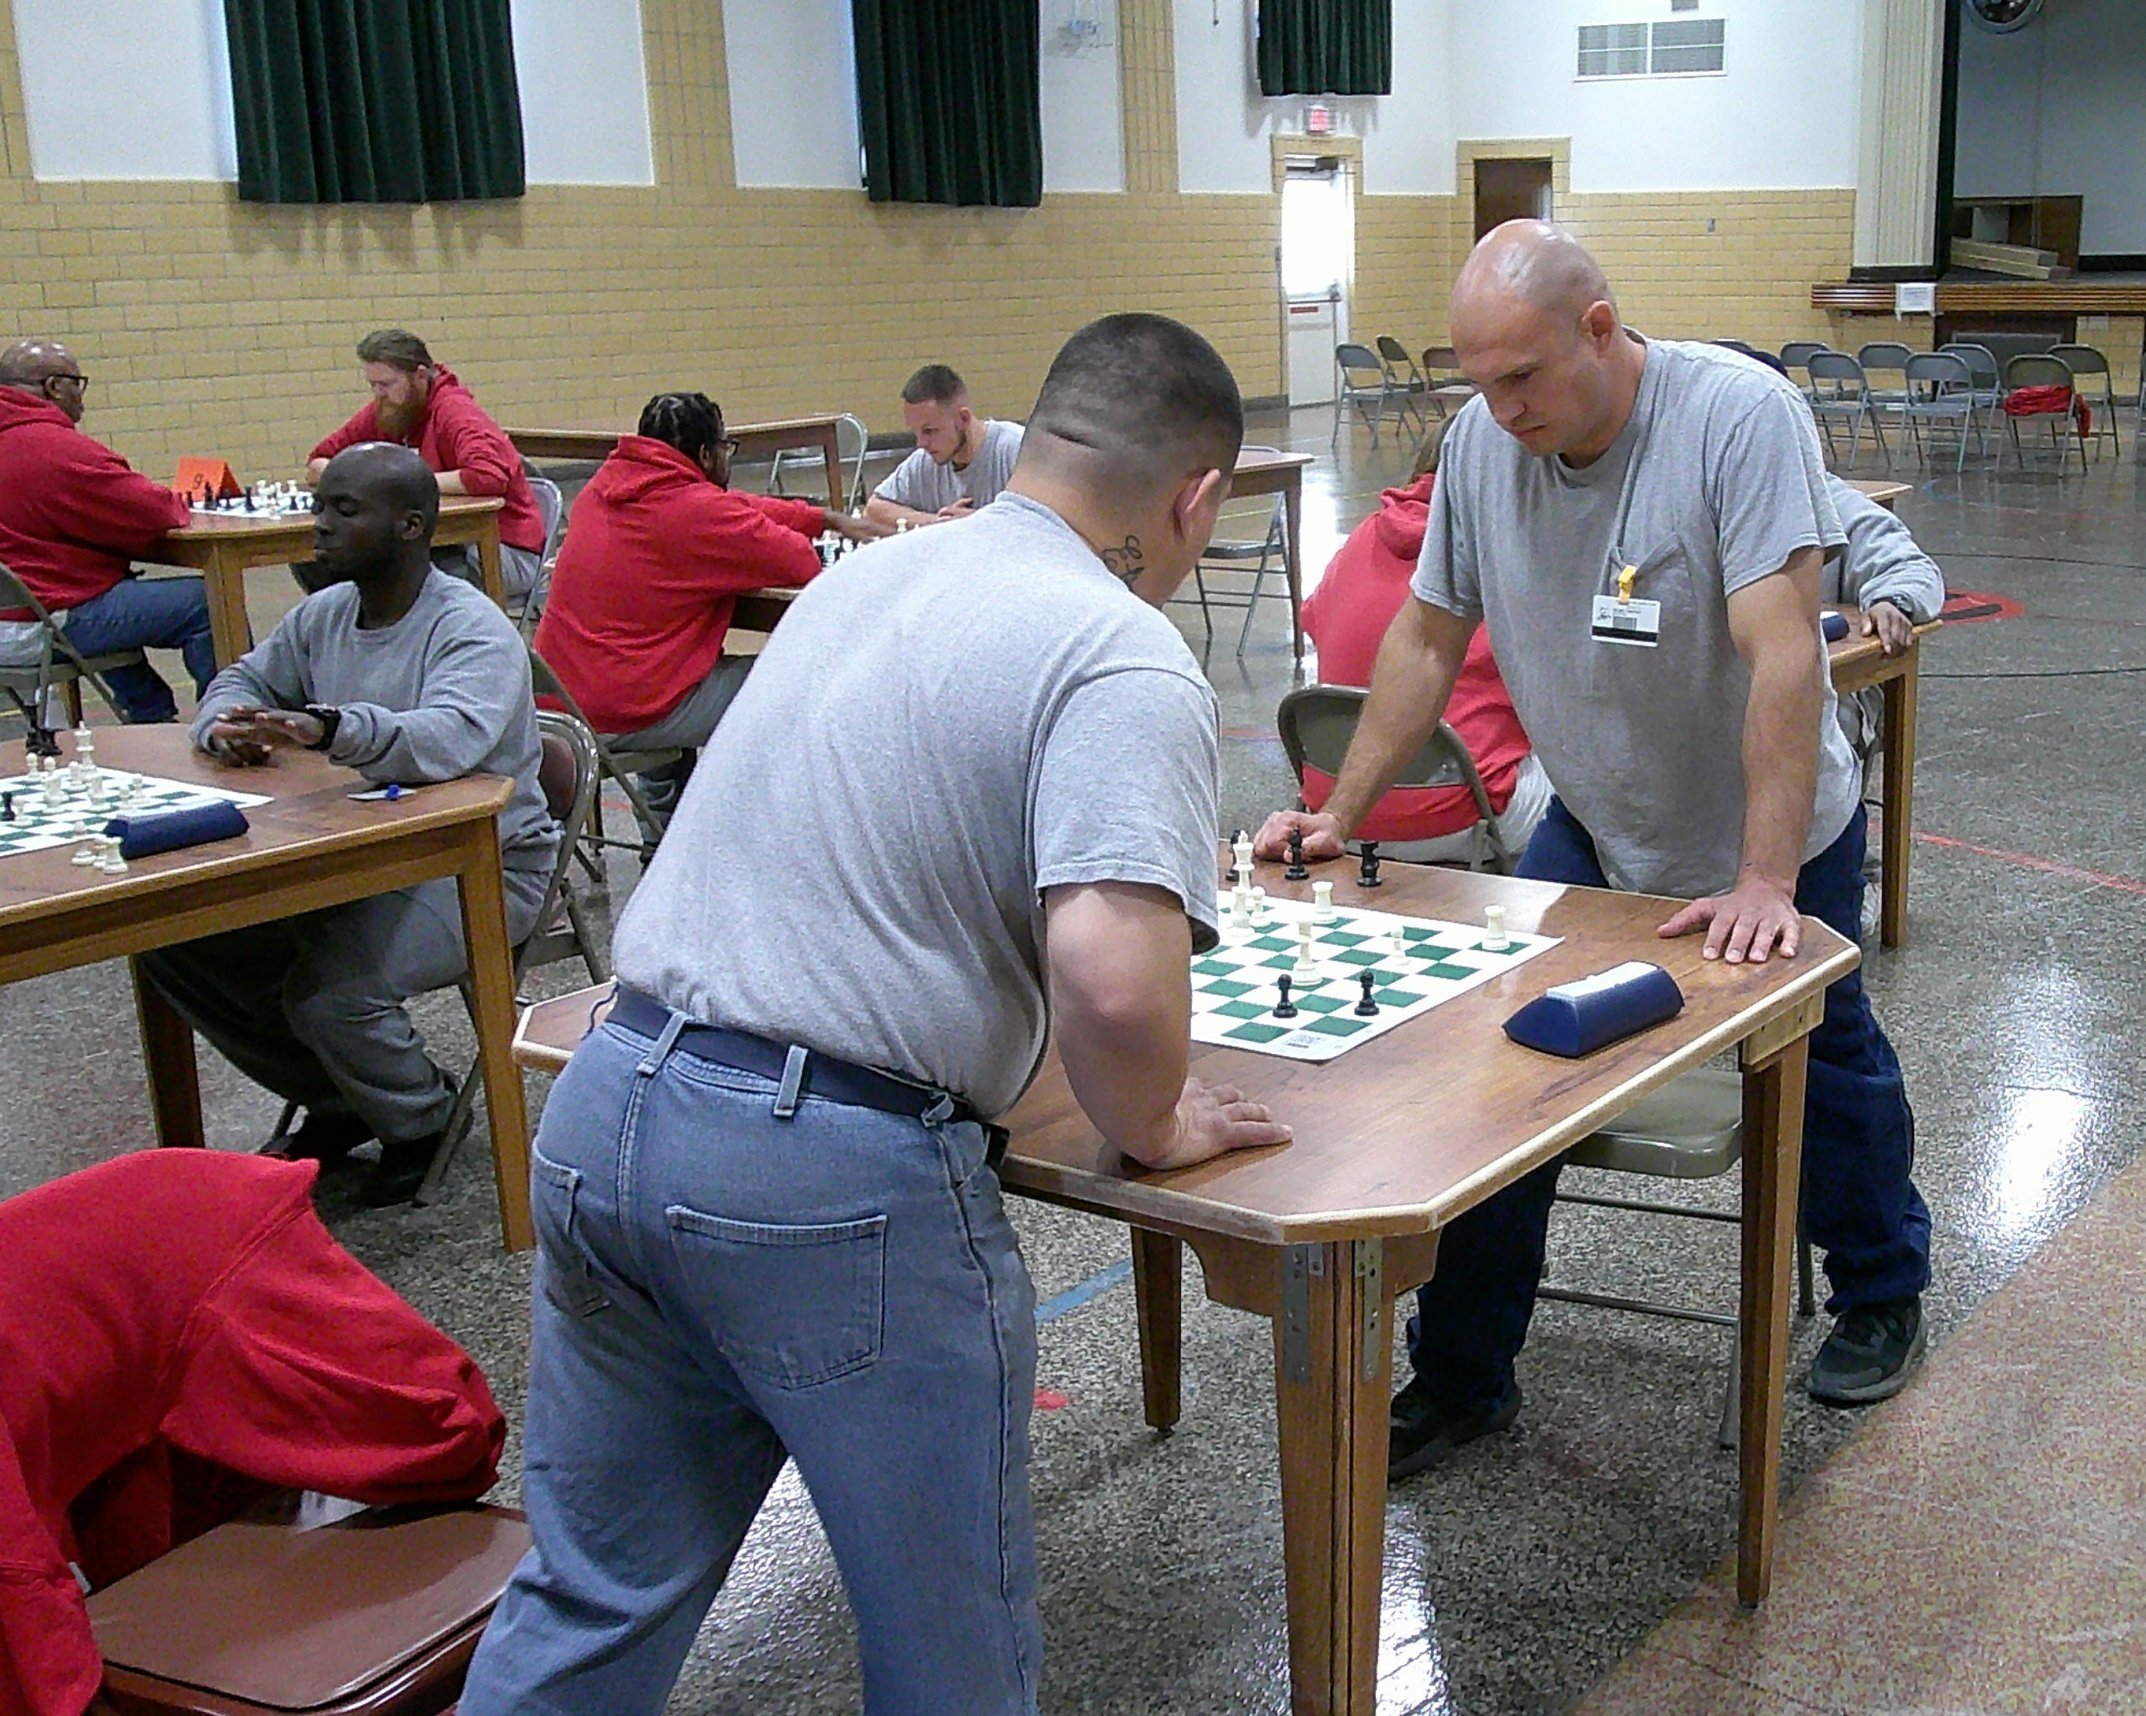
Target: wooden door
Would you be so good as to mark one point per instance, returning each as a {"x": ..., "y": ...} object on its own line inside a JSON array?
[{"x": 1510, "y": 190}]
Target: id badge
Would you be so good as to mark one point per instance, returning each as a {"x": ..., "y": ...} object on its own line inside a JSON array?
[{"x": 1628, "y": 621}]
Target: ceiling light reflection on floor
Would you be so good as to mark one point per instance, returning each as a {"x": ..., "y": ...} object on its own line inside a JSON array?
[{"x": 2039, "y": 1141}]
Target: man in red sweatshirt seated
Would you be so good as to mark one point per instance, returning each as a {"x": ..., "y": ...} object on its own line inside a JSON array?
[
  {"x": 418, "y": 403},
  {"x": 657, "y": 553},
  {"x": 1346, "y": 618},
  {"x": 179, "y": 1333},
  {"x": 73, "y": 516}
]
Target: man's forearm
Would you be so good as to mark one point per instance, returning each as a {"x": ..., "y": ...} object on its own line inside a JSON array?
[
  {"x": 1780, "y": 768},
  {"x": 891, "y": 513},
  {"x": 1410, "y": 683}
]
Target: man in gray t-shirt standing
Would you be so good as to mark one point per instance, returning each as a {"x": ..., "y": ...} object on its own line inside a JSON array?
[
  {"x": 1642, "y": 525},
  {"x": 969, "y": 790},
  {"x": 962, "y": 461}
]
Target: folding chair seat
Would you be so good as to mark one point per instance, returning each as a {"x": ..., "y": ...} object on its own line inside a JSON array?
[
  {"x": 377, "y": 1615},
  {"x": 36, "y": 660}
]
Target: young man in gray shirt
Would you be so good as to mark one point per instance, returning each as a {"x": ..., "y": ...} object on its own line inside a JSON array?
[
  {"x": 1642, "y": 525},
  {"x": 961, "y": 461},
  {"x": 406, "y": 675},
  {"x": 970, "y": 790}
]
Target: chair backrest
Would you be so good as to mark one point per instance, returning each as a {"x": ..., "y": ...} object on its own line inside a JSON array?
[
  {"x": 14, "y": 593},
  {"x": 1980, "y": 360},
  {"x": 852, "y": 441},
  {"x": 551, "y": 508},
  {"x": 2036, "y": 369},
  {"x": 2082, "y": 360},
  {"x": 1354, "y": 360},
  {"x": 569, "y": 772},
  {"x": 1796, "y": 353},
  {"x": 1399, "y": 364},
  {"x": 1840, "y": 369},
  {"x": 1316, "y": 723},
  {"x": 1943, "y": 371},
  {"x": 1884, "y": 354}
]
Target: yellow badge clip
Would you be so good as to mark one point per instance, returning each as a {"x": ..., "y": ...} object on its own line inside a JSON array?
[{"x": 1625, "y": 581}]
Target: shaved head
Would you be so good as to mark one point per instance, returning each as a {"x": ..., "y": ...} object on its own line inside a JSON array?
[
  {"x": 1537, "y": 264},
  {"x": 47, "y": 369},
  {"x": 397, "y": 477}
]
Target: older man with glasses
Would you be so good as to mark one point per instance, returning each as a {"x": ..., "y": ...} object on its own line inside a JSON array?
[{"x": 73, "y": 517}]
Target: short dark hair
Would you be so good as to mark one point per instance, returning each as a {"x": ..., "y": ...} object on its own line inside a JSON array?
[
  {"x": 934, "y": 384},
  {"x": 1148, "y": 395},
  {"x": 691, "y": 422},
  {"x": 397, "y": 346}
]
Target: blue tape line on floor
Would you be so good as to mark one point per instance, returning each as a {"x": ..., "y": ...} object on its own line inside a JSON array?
[{"x": 1073, "y": 1298}]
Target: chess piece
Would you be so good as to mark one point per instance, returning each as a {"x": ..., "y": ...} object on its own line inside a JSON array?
[
  {"x": 1495, "y": 940},
  {"x": 1284, "y": 1008},
  {"x": 1370, "y": 876},
  {"x": 1367, "y": 1007},
  {"x": 1296, "y": 871},
  {"x": 1322, "y": 903}
]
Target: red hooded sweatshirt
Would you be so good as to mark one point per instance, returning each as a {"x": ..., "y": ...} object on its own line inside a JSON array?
[
  {"x": 167, "y": 1320},
  {"x": 655, "y": 558},
  {"x": 74, "y": 515},
  {"x": 1347, "y": 616},
  {"x": 455, "y": 434}
]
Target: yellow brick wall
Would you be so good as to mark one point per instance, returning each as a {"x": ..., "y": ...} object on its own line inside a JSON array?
[{"x": 212, "y": 326}]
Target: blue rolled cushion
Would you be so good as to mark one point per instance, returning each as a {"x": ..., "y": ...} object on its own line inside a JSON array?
[
  {"x": 1834, "y": 624},
  {"x": 1580, "y": 1017},
  {"x": 146, "y": 832}
]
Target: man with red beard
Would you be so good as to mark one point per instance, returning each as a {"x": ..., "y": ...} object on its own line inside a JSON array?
[{"x": 418, "y": 403}]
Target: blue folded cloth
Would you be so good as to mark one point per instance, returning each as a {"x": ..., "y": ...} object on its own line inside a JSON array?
[
  {"x": 1834, "y": 624},
  {"x": 1578, "y": 1018},
  {"x": 144, "y": 832}
]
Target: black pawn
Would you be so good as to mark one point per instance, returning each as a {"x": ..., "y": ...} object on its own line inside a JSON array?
[
  {"x": 1284, "y": 1008},
  {"x": 1370, "y": 876},
  {"x": 1366, "y": 1007},
  {"x": 7, "y": 807},
  {"x": 1296, "y": 871}
]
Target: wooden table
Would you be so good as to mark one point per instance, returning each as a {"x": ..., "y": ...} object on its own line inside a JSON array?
[
  {"x": 310, "y": 847},
  {"x": 1858, "y": 664},
  {"x": 222, "y": 546},
  {"x": 755, "y": 441},
  {"x": 1283, "y": 474},
  {"x": 1884, "y": 491},
  {"x": 1392, "y": 1141}
]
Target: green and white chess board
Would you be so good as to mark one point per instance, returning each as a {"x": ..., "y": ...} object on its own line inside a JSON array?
[
  {"x": 1234, "y": 990},
  {"x": 81, "y": 814}
]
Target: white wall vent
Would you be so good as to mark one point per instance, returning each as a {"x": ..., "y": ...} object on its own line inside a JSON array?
[{"x": 1688, "y": 47}]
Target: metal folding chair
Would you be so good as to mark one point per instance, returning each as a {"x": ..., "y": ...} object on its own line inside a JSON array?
[
  {"x": 36, "y": 659},
  {"x": 1362, "y": 384},
  {"x": 1940, "y": 389},
  {"x": 1840, "y": 393},
  {"x": 2086, "y": 361},
  {"x": 2041, "y": 369}
]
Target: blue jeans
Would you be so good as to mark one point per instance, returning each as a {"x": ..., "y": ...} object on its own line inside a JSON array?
[
  {"x": 718, "y": 1289},
  {"x": 1859, "y": 1203},
  {"x": 147, "y": 613}
]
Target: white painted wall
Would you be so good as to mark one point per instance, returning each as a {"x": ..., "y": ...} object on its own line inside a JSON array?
[
  {"x": 2056, "y": 109},
  {"x": 1784, "y": 115},
  {"x": 1083, "y": 97},
  {"x": 141, "y": 89},
  {"x": 1223, "y": 122}
]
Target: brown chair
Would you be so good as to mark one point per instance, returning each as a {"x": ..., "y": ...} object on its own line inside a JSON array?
[{"x": 377, "y": 1615}]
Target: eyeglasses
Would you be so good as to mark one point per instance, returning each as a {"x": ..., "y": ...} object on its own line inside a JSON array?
[
  {"x": 730, "y": 445},
  {"x": 74, "y": 375}
]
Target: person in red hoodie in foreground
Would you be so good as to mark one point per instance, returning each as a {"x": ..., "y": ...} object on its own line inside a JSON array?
[
  {"x": 418, "y": 403},
  {"x": 1346, "y": 618},
  {"x": 73, "y": 516},
  {"x": 178, "y": 1332},
  {"x": 657, "y": 552}
]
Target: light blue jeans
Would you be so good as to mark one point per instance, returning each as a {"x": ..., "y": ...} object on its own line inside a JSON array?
[
  {"x": 718, "y": 1289},
  {"x": 147, "y": 613}
]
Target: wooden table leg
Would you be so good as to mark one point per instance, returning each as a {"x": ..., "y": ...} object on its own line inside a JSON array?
[
  {"x": 1159, "y": 1298},
  {"x": 224, "y": 583},
  {"x": 1333, "y": 1358},
  {"x": 174, "y": 1074},
  {"x": 1292, "y": 558},
  {"x": 491, "y": 973},
  {"x": 495, "y": 583},
  {"x": 1898, "y": 740},
  {"x": 1773, "y": 1167}
]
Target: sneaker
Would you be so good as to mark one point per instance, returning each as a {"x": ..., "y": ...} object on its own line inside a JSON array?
[
  {"x": 1869, "y": 1355},
  {"x": 321, "y": 1138},
  {"x": 400, "y": 1173},
  {"x": 1421, "y": 1432}
]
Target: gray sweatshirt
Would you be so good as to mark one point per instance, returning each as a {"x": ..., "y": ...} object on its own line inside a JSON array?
[
  {"x": 1881, "y": 561},
  {"x": 443, "y": 692}
]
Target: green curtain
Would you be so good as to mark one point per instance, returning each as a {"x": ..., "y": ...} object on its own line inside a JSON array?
[
  {"x": 949, "y": 100},
  {"x": 374, "y": 101},
  {"x": 1326, "y": 47}
]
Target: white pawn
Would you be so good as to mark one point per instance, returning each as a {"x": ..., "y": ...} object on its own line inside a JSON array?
[
  {"x": 1307, "y": 965},
  {"x": 1322, "y": 903},
  {"x": 91, "y": 851},
  {"x": 1495, "y": 940},
  {"x": 52, "y": 785},
  {"x": 1397, "y": 942},
  {"x": 112, "y": 863},
  {"x": 1259, "y": 908}
]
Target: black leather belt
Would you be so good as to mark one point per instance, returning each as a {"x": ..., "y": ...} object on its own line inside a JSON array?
[{"x": 825, "y": 1077}]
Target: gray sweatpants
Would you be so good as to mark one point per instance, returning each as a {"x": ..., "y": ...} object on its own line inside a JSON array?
[
  {"x": 311, "y": 1007},
  {"x": 688, "y": 726}
]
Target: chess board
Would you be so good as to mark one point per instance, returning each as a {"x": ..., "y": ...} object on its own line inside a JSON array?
[
  {"x": 293, "y": 507},
  {"x": 36, "y": 829},
  {"x": 1234, "y": 990}
]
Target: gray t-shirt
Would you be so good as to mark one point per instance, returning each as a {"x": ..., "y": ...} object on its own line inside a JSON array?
[
  {"x": 441, "y": 693},
  {"x": 1715, "y": 481},
  {"x": 944, "y": 725},
  {"x": 921, "y": 482}
]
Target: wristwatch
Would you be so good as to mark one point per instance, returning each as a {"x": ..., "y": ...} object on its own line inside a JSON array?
[{"x": 329, "y": 717}]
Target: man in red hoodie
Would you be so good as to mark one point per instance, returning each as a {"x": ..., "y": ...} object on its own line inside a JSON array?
[
  {"x": 418, "y": 403},
  {"x": 73, "y": 516},
  {"x": 177, "y": 1332},
  {"x": 1346, "y": 618},
  {"x": 659, "y": 550}
]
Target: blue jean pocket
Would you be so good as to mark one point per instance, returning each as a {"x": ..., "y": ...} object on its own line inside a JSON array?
[
  {"x": 789, "y": 1305},
  {"x": 562, "y": 1270}
]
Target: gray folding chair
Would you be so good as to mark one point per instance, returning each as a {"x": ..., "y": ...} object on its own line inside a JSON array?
[
  {"x": 1690, "y": 1129},
  {"x": 2086, "y": 361},
  {"x": 551, "y": 508},
  {"x": 2040, "y": 369},
  {"x": 1362, "y": 384},
  {"x": 1940, "y": 390},
  {"x": 1987, "y": 382},
  {"x": 1316, "y": 723},
  {"x": 1265, "y": 557},
  {"x": 1401, "y": 372},
  {"x": 36, "y": 659},
  {"x": 1448, "y": 387},
  {"x": 1839, "y": 393},
  {"x": 1881, "y": 359},
  {"x": 1796, "y": 354},
  {"x": 852, "y": 440}
]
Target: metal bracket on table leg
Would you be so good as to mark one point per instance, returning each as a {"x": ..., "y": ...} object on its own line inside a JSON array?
[
  {"x": 1370, "y": 1275},
  {"x": 1299, "y": 1264}
]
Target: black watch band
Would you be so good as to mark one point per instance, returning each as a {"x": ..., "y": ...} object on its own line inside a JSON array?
[
  {"x": 330, "y": 718},
  {"x": 1902, "y": 603}
]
